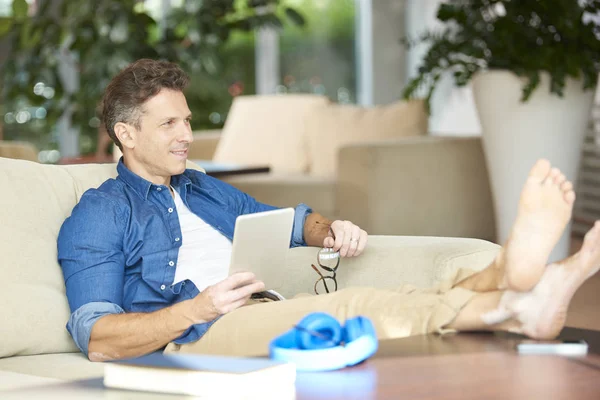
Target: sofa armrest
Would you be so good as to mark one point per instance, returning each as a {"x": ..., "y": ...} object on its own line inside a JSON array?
[
  {"x": 204, "y": 145},
  {"x": 389, "y": 261},
  {"x": 424, "y": 186}
]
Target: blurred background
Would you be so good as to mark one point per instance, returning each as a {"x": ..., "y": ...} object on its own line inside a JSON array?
[
  {"x": 62, "y": 53},
  {"x": 73, "y": 48}
]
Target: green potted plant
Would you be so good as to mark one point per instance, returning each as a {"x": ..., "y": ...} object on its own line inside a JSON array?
[{"x": 533, "y": 66}]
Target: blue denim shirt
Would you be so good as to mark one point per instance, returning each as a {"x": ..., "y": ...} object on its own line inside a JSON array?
[{"x": 118, "y": 249}]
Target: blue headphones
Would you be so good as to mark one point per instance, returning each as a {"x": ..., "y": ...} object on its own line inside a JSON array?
[{"x": 319, "y": 343}]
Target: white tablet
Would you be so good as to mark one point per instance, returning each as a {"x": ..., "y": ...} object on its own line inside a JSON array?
[{"x": 260, "y": 244}]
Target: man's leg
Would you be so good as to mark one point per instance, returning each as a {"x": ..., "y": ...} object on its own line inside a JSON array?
[
  {"x": 545, "y": 208},
  {"x": 395, "y": 313},
  {"x": 539, "y": 313}
]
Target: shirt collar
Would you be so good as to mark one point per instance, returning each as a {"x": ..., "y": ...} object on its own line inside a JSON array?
[
  {"x": 181, "y": 180},
  {"x": 142, "y": 186}
]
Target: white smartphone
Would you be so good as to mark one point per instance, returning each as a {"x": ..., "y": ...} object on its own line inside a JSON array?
[{"x": 556, "y": 347}]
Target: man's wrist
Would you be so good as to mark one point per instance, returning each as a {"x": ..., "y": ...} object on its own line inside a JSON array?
[
  {"x": 316, "y": 229},
  {"x": 185, "y": 314},
  {"x": 196, "y": 311}
]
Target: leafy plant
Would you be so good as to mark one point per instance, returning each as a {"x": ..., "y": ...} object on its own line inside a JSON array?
[
  {"x": 527, "y": 37},
  {"x": 103, "y": 36}
]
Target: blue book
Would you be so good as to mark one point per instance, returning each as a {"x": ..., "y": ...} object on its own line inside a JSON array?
[{"x": 203, "y": 375}]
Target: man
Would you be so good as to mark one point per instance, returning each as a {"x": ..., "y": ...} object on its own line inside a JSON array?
[{"x": 145, "y": 256}]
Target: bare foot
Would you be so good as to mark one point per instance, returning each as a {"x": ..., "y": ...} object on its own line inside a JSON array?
[
  {"x": 543, "y": 311},
  {"x": 545, "y": 209}
]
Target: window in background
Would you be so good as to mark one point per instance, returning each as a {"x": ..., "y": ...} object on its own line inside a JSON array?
[
  {"x": 5, "y": 8},
  {"x": 210, "y": 97},
  {"x": 320, "y": 57},
  {"x": 316, "y": 58},
  {"x": 156, "y": 8}
]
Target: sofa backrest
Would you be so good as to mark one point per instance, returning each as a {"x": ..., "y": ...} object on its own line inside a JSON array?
[
  {"x": 338, "y": 125},
  {"x": 303, "y": 133},
  {"x": 19, "y": 150},
  {"x": 35, "y": 200},
  {"x": 268, "y": 130}
]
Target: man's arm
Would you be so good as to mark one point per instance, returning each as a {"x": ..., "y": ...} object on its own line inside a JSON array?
[
  {"x": 344, "y": 236},
  {"x": 315, "y": 229},
  {"x": 93, "y": 266},
  {"x": 118, "y": 336}
]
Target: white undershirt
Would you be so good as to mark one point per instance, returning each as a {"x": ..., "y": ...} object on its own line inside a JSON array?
[{"x": 205, "y": 254}]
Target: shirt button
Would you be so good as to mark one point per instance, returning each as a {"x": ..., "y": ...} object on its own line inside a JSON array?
[
  {"x": 171, "y": 263},
  {"x": 170, "y": 210},
  {"x": 162, "y": 287},
  {"x": 177, "y": 239},
  {"x": 159, "y": 189}
]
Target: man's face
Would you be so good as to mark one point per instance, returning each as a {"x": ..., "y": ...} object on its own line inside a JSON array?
[{"x": 159, "y": 148}]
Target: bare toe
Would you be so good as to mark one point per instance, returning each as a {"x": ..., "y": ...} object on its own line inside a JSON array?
[
  {"x": 552, "y": 176},
  {"x": 540, "y": 170},
  {"x": 570, "y": 197},
  {"x": 560, "y": 179},
  {"x": 566, "y": 186}
]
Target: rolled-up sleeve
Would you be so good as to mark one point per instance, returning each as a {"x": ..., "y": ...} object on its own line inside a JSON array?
[
  {"x": 83, "y": 319},
  {"x": 301, "y": 212},
  {"x": 90, "y": 253}
]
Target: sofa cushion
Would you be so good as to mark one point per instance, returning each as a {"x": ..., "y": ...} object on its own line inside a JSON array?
[
  {"x": 331, "y": 127},
  {"x": 268, "y": 130},
  {"x": 67, "y": 366},
  {"x": 204, "y": 145},
  {"x": 35, "y": 201}
]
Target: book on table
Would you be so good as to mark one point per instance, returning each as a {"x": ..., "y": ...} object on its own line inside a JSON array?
[{"x": 203, "y": 375}]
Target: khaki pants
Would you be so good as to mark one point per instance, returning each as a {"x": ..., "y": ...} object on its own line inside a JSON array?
[{"x": 406, "y": 311}]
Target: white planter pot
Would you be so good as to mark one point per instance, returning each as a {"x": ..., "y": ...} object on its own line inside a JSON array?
[{"x": 516, "y": 134}]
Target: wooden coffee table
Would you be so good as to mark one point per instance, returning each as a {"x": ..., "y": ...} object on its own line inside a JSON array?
[
  {"x": 456, "y": 366},
  {"x": 461, "y": 366}
]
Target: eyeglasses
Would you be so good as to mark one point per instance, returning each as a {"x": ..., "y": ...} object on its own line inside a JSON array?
[{"x": 329, "y": 261}]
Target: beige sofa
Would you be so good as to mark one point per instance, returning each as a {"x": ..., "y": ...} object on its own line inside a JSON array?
[
  {"x": 36, "y": 198},
  {"x": 375, "y": 166},
  {"x": 19, "y": 150}
]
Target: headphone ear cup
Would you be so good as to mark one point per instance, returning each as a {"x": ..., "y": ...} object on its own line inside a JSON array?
[
  {"x": 354, "y": 328},
  {"x": 328, "y": 329}
]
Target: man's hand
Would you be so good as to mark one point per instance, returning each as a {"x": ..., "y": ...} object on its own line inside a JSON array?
[
  {"x": 225, "y": 296},
  {"x": 346, "y": 237}
]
